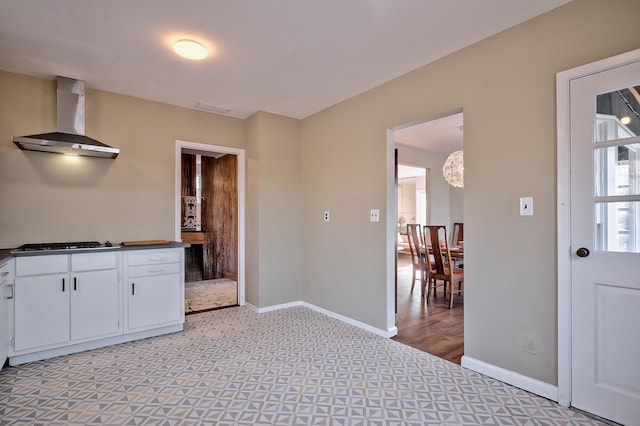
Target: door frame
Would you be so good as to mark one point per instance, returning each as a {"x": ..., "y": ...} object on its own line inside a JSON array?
[
  {"x": 563, "y": 205},
  {"x": 240, "y": 153}
]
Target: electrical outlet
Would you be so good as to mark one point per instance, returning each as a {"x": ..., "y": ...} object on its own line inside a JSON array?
[
  {"x": 530, "y": 345},
  {"x": 326, "y": 216},
  {"x": 375, "y": 215}
]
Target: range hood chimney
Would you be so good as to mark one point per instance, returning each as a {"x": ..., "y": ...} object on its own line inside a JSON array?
[{"x": 70, "y": 138}]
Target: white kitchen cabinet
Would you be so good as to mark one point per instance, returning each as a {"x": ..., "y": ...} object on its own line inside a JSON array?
[
  {"x": 95, "y": 307},
  {"x": 66, "y": 303},
  {"x": 41, "y": 302},
  {"x": 6, "y": 296},
  {"x": 154, "y": 291},
  {"x": 63, "y": 299},
  {"x": 95, "y": 296}
]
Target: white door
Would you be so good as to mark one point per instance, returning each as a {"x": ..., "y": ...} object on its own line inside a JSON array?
[{"x": 605, "y": 244}]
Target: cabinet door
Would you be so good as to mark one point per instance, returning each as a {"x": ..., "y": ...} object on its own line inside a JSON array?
[
  {"x": 5, "y": 305},
  {"x": 6, "y": 294},
  {"x": 41, "y": 311},
  {"x": 94, "y": 304},
  {"x": 154, "y": 301}
]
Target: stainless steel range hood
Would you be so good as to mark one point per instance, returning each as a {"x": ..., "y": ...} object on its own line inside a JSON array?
[{"x": 70, "y": 138}]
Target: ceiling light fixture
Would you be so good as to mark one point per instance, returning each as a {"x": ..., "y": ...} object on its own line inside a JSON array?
[
  {"x": 453, "y": 169},
  {"x": 625, "y": 120},
  {"x": 190, "y": 49}
]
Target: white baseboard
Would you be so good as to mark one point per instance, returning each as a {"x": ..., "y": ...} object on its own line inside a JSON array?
[
  {"x": 272, "y": 307},
  {"x": 518, "y": 380},
  {"x": 380, "y": 332}
]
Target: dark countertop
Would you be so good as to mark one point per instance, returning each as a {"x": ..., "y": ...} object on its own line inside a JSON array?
[{"x": 6, "y": 253}]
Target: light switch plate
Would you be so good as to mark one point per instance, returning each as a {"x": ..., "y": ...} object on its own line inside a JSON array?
[
  {"x": 326, "y": 216},
  {"x": 526, "y": 206},
  {"x": 375, "y": 215}
]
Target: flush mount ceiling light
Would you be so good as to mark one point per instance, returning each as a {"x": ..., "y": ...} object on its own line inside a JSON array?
[
  {"x": 453, "y": 169},
  {"x": 190, "y": 49},
  {"x": 625, "y": 120}
]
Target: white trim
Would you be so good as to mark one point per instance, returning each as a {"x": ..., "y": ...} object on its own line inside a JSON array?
[
  {"x": 241, "y": 200},
  {"x": 563, "y": 80},
  {"x": 275, "y": 307},
  {"x": 380, "y": 332},
  {"x": 391, "y": 234},
  {"x": 518, "y": 380}
]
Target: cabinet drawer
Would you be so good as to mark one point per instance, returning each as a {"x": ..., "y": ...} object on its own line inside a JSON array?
[
  {"x": 153, "y": 257},
  {"x": 5, "y": 273},
  {"x": 36, "y": 265},
  {"x": 93, "y": 261},
  {"x": 145, "y": 270}
]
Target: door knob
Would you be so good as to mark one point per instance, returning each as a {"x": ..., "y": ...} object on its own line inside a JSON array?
[{"x": 582, "y": 252}]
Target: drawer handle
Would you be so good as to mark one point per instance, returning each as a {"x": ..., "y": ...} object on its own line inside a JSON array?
[
  {"x": 133, "y": 289},
  {"x": 154, "y": 259},
  {"x": 63, "y": 285},
  {"x": 11, "y": 287},
  {"x": 75, "y": 283},
  {"x": 156, "y": 270}
]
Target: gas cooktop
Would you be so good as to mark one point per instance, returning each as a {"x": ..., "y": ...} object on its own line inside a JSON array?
[{"x": 78, "y": 245}]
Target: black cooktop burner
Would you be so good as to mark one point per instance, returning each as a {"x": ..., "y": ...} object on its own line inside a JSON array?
[{"x": 60, "y": 246}]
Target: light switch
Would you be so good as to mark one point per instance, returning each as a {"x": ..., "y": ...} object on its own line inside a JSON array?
[
  {"x": 326, "y": 216},
  {"x": 526, "y": 206},
  {"x": 375, "y": 215}
]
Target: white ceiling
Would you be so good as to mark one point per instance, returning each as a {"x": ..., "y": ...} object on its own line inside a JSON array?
[
  {"x": 443, "y": 135},
  {"x": 289, "y": 57}
]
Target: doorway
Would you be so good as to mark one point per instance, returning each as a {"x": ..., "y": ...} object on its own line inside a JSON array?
[
  {"x": 209, "y": 208},
  {"x": 424, "y": 146},
  {"x": 598, "y": 231}
]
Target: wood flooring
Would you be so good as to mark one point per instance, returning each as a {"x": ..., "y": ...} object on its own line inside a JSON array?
[{"x": 432, "y": 328}]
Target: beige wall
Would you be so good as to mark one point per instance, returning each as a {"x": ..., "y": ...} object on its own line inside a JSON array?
[
  {"x": 273, "y": 202},
  {"x": 456, "y": 205},
  {"x": 506, "y": 86},
  {"x": 59, "y": 198}
]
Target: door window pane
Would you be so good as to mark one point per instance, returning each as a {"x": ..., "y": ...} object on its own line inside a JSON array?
[
  {"x": 618, "y": 114},
  {"x": 618, "y": 226},
  {"x": 617, "y": 170}
]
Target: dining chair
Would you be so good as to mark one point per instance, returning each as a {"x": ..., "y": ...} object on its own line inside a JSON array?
[
  {"x": 457, "y": 233},
  {"x": 416, "y": 247},
  {"x": 442, "y": 262},
  {"x": 430, "y": 269},
  {"x": 457, "y": 239}
]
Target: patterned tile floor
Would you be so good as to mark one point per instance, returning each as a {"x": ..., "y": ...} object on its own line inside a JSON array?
[{"x": 288, "y": 367}]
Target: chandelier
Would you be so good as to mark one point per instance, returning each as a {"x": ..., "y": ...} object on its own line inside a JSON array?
[{"x": 453, "y": 169}]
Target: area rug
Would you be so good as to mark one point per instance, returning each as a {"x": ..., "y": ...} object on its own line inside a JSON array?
[{"x": 210, "y": 294}]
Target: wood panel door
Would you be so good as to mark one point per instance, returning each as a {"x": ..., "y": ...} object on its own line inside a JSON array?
[{"x": 220, "y": 216}]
